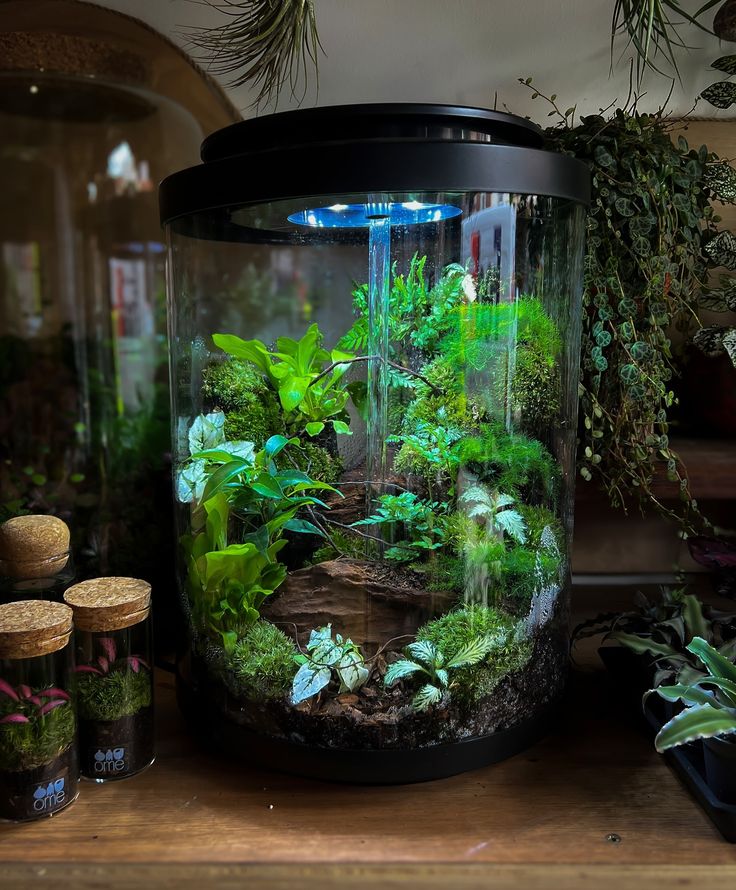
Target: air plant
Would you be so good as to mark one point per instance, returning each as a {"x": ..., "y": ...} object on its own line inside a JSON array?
[
  {"x": 652, "y": 31},
  {"x": 263, "y": 42}
]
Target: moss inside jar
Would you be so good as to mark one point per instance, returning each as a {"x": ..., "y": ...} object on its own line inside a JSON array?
[
  {"x": 38, "y": 753},
  {"x": 113, "y": 676}
]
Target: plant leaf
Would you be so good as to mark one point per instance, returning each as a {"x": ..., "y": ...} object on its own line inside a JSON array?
[
  {"x": 698, "y": 722},
  {"x": 473, "y": 652},
  {"x": 717, "y": 664},
  {"x": 400, "y": 669},
  {"x": 309, "y": 680},
  {"x": 423, "y": 651},
  {"x": 427, "y": 696}
]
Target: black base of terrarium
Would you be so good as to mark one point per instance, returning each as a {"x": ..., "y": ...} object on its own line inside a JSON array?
[{"x": 387, "y": 766}]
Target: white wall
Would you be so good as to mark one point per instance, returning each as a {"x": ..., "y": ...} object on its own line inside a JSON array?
[{"x": 464, "y": 51}]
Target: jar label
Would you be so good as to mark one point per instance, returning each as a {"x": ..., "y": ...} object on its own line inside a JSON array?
[
  {"x": 109, "y": 761},
  {"x": 47, "y": 797}
]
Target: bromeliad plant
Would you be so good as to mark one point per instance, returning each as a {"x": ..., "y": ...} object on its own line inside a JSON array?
[
  {"x": 112, "y": 687},
  {"x": 35, "y": 726},
  {"x": 327, "y": 657},
  {"x": 710, "y": 698},
  {"x": 424, "y": 661}
]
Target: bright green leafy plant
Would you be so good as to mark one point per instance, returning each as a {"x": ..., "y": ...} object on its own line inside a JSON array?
[
  {"x": 422, "y": 522},
  {"x": 228, "y": 582},
  {"x": 307, "y": 378},
  {"x": 327, "y": 656},
  {"x": 508, "y": 648},
  {"x": 710, "y": 701}
]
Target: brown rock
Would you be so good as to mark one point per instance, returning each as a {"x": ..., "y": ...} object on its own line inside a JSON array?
[
  {"x": 347, "y": 698},
  {"x": 370, "y": 602}
]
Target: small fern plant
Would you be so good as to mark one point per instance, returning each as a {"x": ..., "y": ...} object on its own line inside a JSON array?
[
  {"x": 425, "y": 661},
  {"x": 490, "y": 509}
]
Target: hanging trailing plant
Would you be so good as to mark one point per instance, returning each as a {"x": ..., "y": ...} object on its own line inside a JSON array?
[
  {"x": 652, "y": 238},
  {"x": 652, "y": 30},
  {"x": 266, "y": 43}
]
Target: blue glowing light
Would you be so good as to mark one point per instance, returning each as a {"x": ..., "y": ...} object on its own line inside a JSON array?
[{"x": 353, "y": 216}]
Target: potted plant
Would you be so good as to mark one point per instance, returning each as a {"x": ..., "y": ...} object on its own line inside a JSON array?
[{"x": 710, "y": 715}]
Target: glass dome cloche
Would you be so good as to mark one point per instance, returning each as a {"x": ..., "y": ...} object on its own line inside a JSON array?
[{"x": 374, "y": 320}]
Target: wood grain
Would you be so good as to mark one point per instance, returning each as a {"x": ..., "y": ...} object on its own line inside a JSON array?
[
  {"x": 356, "y": 876},
  {"x": 555, "y": 804}
]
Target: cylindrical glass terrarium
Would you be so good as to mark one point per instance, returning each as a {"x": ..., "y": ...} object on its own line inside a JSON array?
[
  {"x": 114, "y": 679},
  {"x": 39, "y": 773},
  {"x": 95, "y": 108},
  {"x": 374, "y": 317}
]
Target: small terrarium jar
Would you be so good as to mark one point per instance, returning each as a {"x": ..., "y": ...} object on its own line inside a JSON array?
[
  {"x": 114, "y": 680},
  {"x": 35, "y": 559},
  {"x": 39, "y": 770}
]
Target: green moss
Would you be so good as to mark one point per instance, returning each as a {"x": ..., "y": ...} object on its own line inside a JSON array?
[
  {"x": 318, "y": 462},
  {"x": 535, "y": 390},
  {"x": 346, "y": 544},
  {"x": 444, "y": 572},
  {"x": 512, "y": 462},
  {"x": 263, "y": 662},
  {"x": 114, "y": 695},
  {"x": 456, "y": 629},
  {"x": 251, "y": 410},
  {"x": 537, "y": 519},
  {"x": 25, "y": 746},
  {"x": 524, "y": 571},
  {"x": 447, "y": 402}
]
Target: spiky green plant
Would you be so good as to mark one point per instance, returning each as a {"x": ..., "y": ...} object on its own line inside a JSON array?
[
  {"x": 710, "y": 700},
  {"x": 652, "y": 30}
]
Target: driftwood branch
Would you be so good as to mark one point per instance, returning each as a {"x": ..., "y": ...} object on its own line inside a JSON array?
[{"x": 370, "y": 358}]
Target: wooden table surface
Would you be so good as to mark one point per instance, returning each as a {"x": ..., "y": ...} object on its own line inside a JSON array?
[{"x": 592, "y": 805}]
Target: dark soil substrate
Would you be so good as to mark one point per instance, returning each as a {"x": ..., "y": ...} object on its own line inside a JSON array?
[
  {"x": 376, "y": 717},
  {"x": 42, "y": 791},
  {"x": 116, "y": 749}
]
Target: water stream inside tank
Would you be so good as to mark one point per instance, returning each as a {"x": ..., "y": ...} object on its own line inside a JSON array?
[{"x": 379, "y": 267}]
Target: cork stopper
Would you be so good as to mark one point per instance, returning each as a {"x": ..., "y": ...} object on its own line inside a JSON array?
[
  {"x": 105, "y": 604},
  {"x": 33, "y": 546},
  {"x": 33, "y": 627}
]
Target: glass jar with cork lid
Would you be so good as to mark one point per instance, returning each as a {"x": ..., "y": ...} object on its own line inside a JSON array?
[
  {"x": 35, "y": 558},
  {"x": 114, "y": 679},
  {"x": 38, "y": 750}
]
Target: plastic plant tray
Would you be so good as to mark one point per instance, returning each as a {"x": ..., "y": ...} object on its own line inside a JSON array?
[{"x": 687, "y": 762}]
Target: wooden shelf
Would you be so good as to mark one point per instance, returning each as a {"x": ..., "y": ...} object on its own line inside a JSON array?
[
  {"x": 541, "y": 819},
  {"x": 711, "y": 468}
]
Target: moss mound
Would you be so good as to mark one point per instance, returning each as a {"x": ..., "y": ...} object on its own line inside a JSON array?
[
  {"x": 263, "y": 662},
  {"x": 456, "y": 629}
]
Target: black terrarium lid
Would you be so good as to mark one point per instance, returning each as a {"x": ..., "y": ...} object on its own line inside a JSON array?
[{"x": 365, "y": 149}]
